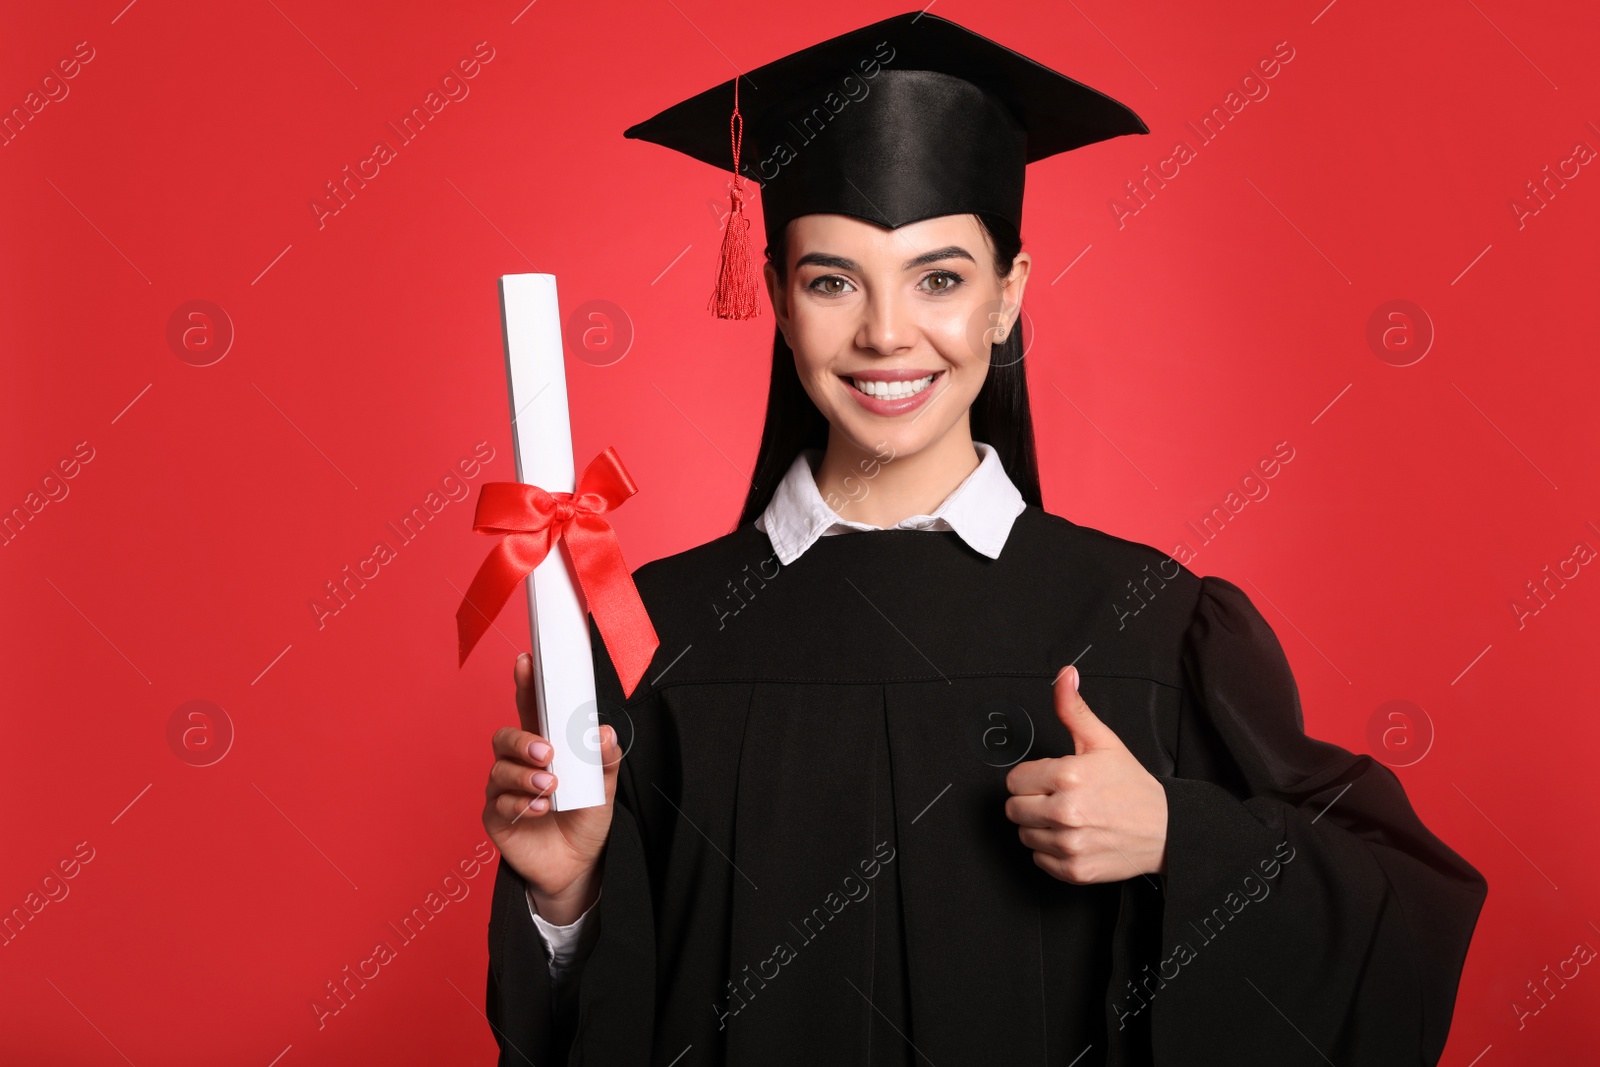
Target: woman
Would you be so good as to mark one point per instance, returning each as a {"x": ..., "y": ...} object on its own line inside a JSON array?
[{"x": 939, "y": 776}]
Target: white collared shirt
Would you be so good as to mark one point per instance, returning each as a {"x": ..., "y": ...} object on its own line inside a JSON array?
[{"x": 981, "y": 510}]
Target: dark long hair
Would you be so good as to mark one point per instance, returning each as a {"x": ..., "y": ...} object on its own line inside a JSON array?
[{"x": 999, "y": 416}]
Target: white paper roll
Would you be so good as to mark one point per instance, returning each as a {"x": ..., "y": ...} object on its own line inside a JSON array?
[{"x": 541, "y": 430}]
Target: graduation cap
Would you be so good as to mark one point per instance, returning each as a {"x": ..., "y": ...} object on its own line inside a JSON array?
[{"x": 906, "y": 119}]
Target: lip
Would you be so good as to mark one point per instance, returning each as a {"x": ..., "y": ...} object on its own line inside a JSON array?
[
  {"x": 884, "y": 406},
  {"x": 883, "y": 374}
]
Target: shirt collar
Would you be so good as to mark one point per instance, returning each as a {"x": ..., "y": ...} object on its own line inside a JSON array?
[{"x": 981, "y": 510}]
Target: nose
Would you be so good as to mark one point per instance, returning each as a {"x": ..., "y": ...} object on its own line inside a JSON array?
[{"x": 888, "y": 324}]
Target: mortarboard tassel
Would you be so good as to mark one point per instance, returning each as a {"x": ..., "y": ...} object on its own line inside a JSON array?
[{"x": 738, "y": 286}]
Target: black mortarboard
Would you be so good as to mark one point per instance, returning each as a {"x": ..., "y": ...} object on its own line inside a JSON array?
[{"x": 906, "y": 119}]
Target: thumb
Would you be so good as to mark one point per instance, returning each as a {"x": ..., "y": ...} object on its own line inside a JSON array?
[
  {"x": 610, "y": 751},
  {"x": 611, "y": 759},
  {"x": 1087, "y": 731}
]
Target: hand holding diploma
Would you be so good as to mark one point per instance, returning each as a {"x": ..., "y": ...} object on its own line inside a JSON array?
[
  {"x": 557, "y": 853},
  {"x": 557, "y": 543},
  {"x": 1095, "y": 816}
]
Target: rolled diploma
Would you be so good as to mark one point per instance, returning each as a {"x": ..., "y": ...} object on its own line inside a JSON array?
[{"x": 541, "y": 432}]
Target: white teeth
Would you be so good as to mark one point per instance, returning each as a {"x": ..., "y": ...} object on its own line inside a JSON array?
[{"x": 892, "y": 390}]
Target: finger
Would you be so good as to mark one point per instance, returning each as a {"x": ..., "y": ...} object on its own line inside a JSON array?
[
  {"x": 509, "y": 776},
  {"x": 1066, "y": 843},
  {"x": 1087, "y": 731},
  {"x": 527, "y": 695},
  {"x": 1032, "y": 811},
  {"x": 513, "y": 806},
  {"x": 511, "y": 743},
  {"x": 610, "y": 749},
  {"x": 1072, "y": 871},
  {"x": 611, "y": 754},
  {"x": 1036, "y": 777},
  {"x": 1046, "y": 841},
  {"x": 530, "y": 748}
]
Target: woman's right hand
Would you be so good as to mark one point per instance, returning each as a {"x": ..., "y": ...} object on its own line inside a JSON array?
[{"x": 557, "y": 853}]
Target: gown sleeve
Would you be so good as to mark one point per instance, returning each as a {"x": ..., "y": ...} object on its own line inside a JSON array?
[
  {"x": 537, "y": 1021},
  {"x": 563, "y": 945},
  {"x": 1307, "y": 914}
]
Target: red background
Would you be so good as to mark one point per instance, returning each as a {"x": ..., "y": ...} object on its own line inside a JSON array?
[{"x": 1226, "y": 316}]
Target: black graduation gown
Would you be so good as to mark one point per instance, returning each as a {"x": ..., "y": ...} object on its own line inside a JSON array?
[{"x": 810, "y": 861}]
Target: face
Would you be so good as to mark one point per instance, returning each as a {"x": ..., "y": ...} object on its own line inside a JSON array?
[{"x": 908, "y": 314}]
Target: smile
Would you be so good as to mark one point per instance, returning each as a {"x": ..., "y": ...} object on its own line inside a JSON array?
[
  {"x": 891, "y": 398},
  {"x": 892, "y": 390}
]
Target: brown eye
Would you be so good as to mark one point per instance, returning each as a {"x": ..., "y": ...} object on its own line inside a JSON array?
[
  {"x": 948, "y": 279},
  {"x": 819, "y": 285}
]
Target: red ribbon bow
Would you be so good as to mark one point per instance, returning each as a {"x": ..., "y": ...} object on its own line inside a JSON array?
[{"x": 533, "y": 521}]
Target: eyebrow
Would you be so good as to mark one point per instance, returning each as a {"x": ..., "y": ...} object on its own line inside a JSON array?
[{"x": 823, "y": 259}]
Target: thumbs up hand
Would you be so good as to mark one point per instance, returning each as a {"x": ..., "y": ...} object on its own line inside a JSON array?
[{"x": 1095, "y": 816}]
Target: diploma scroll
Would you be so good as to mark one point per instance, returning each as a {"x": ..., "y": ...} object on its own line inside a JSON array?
[{"x": 563, "y": 667}]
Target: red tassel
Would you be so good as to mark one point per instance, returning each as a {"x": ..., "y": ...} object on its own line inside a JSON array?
[{"x": 737, "y": 295}]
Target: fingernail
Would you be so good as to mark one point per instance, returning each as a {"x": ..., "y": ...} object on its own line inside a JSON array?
[
  {"x": 542, "y": 780},
  {"x": 539, "y": 751},
  {"x": 523, "y": 657},
  {"x": 1074, "y": 671}
]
